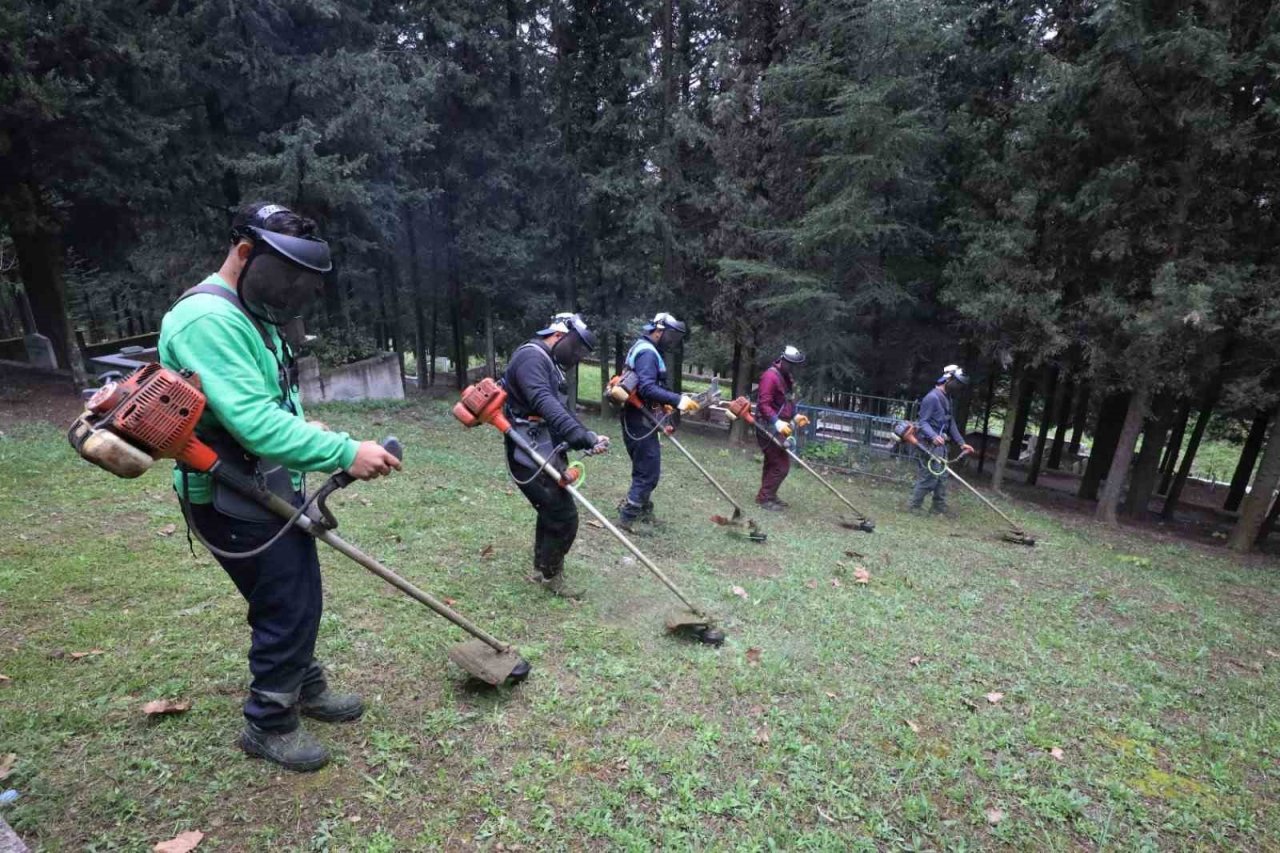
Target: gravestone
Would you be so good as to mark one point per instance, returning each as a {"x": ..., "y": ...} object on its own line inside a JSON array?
[
  {"x": 40, "y": 352},
  {"x": 9, "y": 840}
]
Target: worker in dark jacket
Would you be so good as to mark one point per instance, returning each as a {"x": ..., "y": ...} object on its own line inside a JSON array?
[
  {"x": 776, "y": 408},
  {"x": 661, "y": 335},
  {"x": 936, "y": 425},
  {"x": 536, "y": 405}
]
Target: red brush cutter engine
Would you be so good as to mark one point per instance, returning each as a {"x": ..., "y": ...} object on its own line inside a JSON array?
[
  {"x": 905, "y": 431},
  {"x": 150, "y": 414},
  {"x": 741, "y": 408},
  {"x": 482, "y": 403}
]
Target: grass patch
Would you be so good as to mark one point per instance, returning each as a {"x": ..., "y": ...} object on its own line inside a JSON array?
[{"x": 864, "y": 724}]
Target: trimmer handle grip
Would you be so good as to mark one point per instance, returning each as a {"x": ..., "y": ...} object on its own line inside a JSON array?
[{"x": 391, "y": 444}]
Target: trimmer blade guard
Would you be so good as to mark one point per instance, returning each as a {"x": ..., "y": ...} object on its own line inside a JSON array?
[
  {"x": 491, "y": 667},
  {"x": 1017, "y": 537},
  {"x": 864, "y": 525},
  {"x": 700, "y": 628}
]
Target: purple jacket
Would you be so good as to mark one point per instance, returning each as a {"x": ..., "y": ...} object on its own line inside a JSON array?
[{"x": 774, "y": 388}]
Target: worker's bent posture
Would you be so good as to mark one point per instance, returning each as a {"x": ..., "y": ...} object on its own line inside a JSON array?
[
  {"x": 228, "y": 330},
  {"x": 776, "y": 409},
  {"x": 536, "y": 405},
  {"x": 937, "y": 425},
  {"x": 661, "y": 336}
]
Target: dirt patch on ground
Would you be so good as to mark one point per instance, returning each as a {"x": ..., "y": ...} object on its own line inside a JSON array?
[
  {"x": 34, "y": 398},
  {"x": 750, "y": 567}
]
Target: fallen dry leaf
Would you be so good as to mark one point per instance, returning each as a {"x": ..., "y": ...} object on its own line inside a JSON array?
[
  {"x": 1056, "y": 752},
  {"x": 182, "y": 843},
  {"x": 811, "y": 583},
  {"x": 753, "y": 656},
  {"x": 740, "y": 592},
  {"x": 994, "y": 698},
  {"x": 4, "y": 678},
  {"x": 861, "y": 575},
  {"x": 830, "y": 695},
  {"x": 450, "y": 601},
  {"x": 6, "y": 765},
  {"x": 90, "y": 653},
  {"x": 1273, "y": 654},
  {"x": 761, "y": 737},
  {"x": 486, "y": 552},
  {"x": 911, "y": 724},
  {"x": 994, "y": 816},
  {"x": 366, "y": 502},
  {"x": 915, "y": 661},
  {"x": 836, "y": 583},
  {"x": 593, "y": 523},
  {"x": 166, "y": 706},
  {"x": 167, "y": 530}
]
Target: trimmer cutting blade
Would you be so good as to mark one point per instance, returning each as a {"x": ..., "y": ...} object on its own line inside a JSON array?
[{"x": 694, "y": 625}]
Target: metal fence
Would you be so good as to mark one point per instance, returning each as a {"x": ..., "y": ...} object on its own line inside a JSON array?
[{"x": 858, "y": 442}]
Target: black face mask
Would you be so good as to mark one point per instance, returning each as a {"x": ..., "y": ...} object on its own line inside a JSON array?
[
  {"x": 569, "y": 350},
  {"x": 670, "y": 340},
  {"x": 277, "y": 288}
]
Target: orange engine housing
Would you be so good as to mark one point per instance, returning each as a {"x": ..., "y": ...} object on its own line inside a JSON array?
[
  {"x": 156, "y": 410},
  {"x": 741, "y": 408},
  {"x": 482, "y": 403}
]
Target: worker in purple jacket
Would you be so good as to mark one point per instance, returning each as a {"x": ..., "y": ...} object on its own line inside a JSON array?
[
  {"x": 775, "y": 410},
  {"x": 936, "y": 425}
]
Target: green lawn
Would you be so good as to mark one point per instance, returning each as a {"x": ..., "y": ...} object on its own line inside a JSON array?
[{"x": 860, "y": 721}]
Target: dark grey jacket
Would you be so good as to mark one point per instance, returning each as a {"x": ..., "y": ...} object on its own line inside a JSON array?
[{"x": 935, "y": 417}]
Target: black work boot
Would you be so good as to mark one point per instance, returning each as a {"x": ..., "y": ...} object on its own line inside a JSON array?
[
  {"x": 331, "y": 707},
  {"x": 629, "y": 515},
  {"x": 550, "y": 576},
  {"x": 296, "y": 750},
  {"x": 647, "y": 516}
]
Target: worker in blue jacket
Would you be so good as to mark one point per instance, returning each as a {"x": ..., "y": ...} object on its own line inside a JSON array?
[
  {"x": 936, "y": 425},
  {"x": 660, "y": 336}
]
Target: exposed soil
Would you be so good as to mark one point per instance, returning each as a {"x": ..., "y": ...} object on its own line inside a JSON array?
[{"x": 36, "y": 398}]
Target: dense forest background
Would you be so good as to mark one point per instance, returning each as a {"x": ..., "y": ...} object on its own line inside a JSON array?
[{"x": 1074, "y": 199}]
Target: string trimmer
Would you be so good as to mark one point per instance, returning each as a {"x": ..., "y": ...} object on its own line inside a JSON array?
[
  {"x": 741, "y": 408},
  {"x": 665, "y": 428},
  {"x": 152, "y": 414},
  {"x": 482, "y": 404},
  {"x": 907, "y": 432}
]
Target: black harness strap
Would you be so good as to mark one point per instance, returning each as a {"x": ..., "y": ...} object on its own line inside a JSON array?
[{"x": 285, "y": 365}]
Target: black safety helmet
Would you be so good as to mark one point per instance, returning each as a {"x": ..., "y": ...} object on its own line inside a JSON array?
[{"x": 307, "y": 251}]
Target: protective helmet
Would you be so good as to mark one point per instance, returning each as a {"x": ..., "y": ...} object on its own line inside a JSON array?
[
  {"x": 953, "y": 371},
  {"x": 567, "y": 321},
  {"x": 792, "y": 355},
  {"x": 663, "y": 320},
  {"x": 311, "y": 253}
]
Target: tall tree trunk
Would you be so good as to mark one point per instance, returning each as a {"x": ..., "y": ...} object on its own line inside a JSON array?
[
  {"x": 1111, "y": 415},
  {"x": 1018, "y": 387},
  {"x": 1052, "y": 414},
  {"x": 1269, "y": 526},
  {"x": 1189, "y": 457},
  {"x": 1170, "y": 463},
  {"x": 419, "y": 314},
  {"x": 1253, "y": 511},
  {"x": 1109, "y": 501},
  {"x": 39, "y": 256},
  {"x": 619, "y": 352},
  {"x": 1248, "y": 458},
  {"x": 1060, "y": 428},
  {"x": 986, "y": 415},
  {"x": 735, "y": 367},
  {"x": 740, "y": 432},
  {"x": 1026, "y": 396},
  {"x": 1081, "y": 418},
  {"x": 1146, "y": 470},
  {"x": 490, "y": 357}
]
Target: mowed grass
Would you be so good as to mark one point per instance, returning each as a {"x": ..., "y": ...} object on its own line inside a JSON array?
[{"x": 860, "y": 721}]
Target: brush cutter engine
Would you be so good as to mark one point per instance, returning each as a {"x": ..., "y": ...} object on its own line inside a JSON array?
[
  {"x": 150, "y": 414},
  {"x": 622, "y": 389}
]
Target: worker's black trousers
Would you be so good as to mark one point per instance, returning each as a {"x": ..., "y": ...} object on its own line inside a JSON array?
[
  {"x": 282, "y": 587},
  {"x": 557, "y": 524}
]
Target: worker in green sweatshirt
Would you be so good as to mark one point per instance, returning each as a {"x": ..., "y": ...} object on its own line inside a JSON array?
[{"x": 231, "y": 329}]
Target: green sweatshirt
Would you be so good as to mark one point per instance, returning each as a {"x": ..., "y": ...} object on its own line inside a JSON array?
[{"x": 239, "y": 376}]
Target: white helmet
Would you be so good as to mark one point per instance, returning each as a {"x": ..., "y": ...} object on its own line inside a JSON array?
[{"x": 953, "y": 371}]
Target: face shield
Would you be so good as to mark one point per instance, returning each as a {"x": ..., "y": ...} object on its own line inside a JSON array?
[
  {"x": 577, "y": 343},
  {"x": 283, "y": 275}
]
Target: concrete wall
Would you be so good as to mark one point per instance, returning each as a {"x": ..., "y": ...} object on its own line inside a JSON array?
[{"x": 376, "y": 378}]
